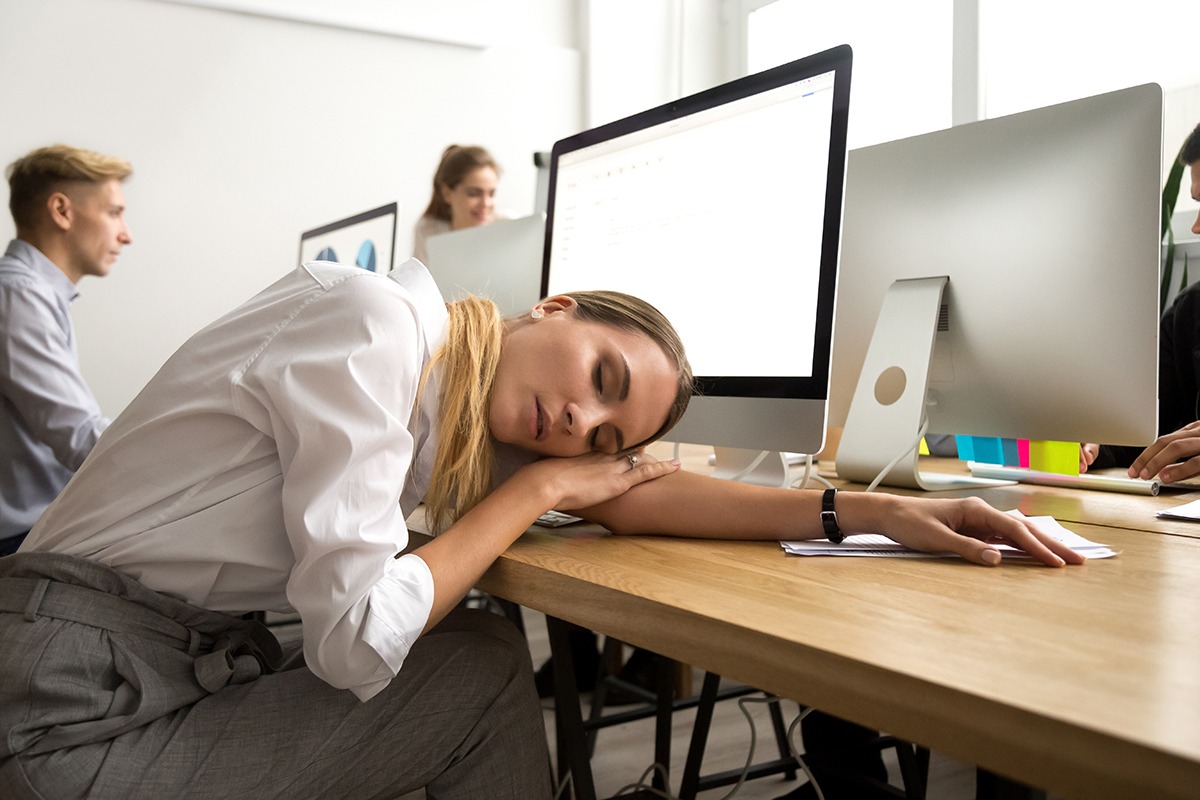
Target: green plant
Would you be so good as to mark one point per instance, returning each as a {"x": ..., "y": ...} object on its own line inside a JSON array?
[{"x": 1169, "y": 196}]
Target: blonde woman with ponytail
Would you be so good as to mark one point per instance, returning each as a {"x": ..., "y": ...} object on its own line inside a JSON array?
[{"x": 271, "y": 465}]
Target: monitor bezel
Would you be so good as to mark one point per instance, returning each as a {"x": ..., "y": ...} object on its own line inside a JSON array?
[{"x": 837, "y": 60}]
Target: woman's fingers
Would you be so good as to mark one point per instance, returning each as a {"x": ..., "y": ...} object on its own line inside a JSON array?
[
  {"x": 987, "y": 526},
  {"x": 971, "y": 529},
  {"x": 595, "y": 478}
]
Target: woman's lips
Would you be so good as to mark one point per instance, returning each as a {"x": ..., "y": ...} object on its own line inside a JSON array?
[{"x": 539, "y": 423}]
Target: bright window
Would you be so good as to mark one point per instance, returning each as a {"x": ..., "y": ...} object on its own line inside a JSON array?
[
  {"x": 1040, "y": 52},
  {"x": 902, "y": 53}
]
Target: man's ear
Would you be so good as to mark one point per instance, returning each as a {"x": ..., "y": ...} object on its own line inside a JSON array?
[{"x": 60, "y": 210}]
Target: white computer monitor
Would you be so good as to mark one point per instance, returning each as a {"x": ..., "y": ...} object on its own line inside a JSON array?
[
  {"x": 723, "y": 210},
  {"x": 366, "y": 240},
  {"x": 1022, "y": 254},
  {"x": 501, "y": 261}
]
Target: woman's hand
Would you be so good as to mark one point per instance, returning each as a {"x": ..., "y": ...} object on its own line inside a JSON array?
[
  {"x": 1159, "y": 458},
  {"x": 587, "y": 480},
  {"x": 968, "y": 527}
]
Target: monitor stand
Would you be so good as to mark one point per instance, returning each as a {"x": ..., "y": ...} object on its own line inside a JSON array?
[{"x": 887, "y": 411}]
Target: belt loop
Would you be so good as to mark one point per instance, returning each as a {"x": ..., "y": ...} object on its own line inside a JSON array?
[{"x": 35, "y": 599}]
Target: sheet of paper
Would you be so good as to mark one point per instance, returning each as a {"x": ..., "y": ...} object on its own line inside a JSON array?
[
  {"x": 1187, "y": 511},
  {"x": 875, "y": 545}
]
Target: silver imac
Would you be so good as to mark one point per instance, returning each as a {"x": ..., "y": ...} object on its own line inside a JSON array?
[
  {"x": 722, "y": 209},
  {"x": 501, "y": 261},
  {"x": 1000, "y": 279}
]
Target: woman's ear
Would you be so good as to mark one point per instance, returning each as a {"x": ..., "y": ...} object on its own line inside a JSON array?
[{"x": 553, "y": 305}]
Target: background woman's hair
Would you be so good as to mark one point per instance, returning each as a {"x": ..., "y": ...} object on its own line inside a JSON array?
[
  {"x": 457, "y": 162},
  {"x": 462, "y": 469}
]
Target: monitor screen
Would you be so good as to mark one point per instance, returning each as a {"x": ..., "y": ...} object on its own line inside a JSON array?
[
  {"x": 366, "y": 240},
  {"x": 1045, "y": 227},
  {"x": 722, "y": 209}
]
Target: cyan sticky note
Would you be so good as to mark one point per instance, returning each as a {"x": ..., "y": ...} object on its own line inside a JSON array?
[
  {"x": 984, "y": 449},
  {"x": 966, "y": 447},
  {"x": 1012, "y": 452},
  {"x": 1060, "y": 457}
]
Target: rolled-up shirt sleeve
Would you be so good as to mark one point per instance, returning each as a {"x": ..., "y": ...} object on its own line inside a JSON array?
[
  {"x": 39, "y": 374},
  {"x": 339, "y": 382}
]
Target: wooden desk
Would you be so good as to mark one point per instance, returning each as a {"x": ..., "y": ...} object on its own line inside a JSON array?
[{"x": 1082, "y": 680}]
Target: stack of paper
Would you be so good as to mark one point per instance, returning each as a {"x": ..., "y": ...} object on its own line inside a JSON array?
[{"x": 877, "y": 546}]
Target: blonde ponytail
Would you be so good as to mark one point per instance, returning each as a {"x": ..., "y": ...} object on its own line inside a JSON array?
[{"x": 462, "y": 469}]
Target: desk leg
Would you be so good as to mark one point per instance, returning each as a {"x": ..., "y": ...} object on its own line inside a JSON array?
[
  {"x": 568, "y": 718},
  {"x": 990, "y": 786},
  {"x": 664, "y": 678}
]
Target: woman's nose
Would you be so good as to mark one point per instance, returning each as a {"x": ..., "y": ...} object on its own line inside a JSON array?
[{"x": 581, "y": 418}]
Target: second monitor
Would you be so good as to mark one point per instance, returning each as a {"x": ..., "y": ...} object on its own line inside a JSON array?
[
  {"x": 501, "y": 261},
  {"x": 1012, "y": 265}
]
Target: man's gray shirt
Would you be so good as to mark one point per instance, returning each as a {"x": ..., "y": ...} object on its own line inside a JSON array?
[{"x": 49, "y": 419}]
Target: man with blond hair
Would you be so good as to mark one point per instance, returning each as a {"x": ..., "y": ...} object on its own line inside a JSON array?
[{"x": 69, "y": 209}]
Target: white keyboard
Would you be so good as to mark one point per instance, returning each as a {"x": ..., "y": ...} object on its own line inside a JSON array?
[{"x": 1088, "y": 480}]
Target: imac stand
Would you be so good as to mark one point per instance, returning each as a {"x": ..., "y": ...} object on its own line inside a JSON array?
[{"x": 888, "y": 408}]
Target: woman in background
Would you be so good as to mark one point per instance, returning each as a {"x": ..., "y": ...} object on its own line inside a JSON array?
[{"x": 464, "y": 195}]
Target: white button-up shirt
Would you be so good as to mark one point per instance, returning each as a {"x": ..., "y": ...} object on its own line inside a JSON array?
[{"x": 271, "y": 463}]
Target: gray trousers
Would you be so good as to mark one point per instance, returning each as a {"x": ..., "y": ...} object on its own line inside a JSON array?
[{"x": 108, "y": 689}]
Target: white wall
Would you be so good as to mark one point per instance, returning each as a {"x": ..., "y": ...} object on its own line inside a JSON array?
[
  {"x": 643, "y": 53},
  {"x": 245, "y": 131}
]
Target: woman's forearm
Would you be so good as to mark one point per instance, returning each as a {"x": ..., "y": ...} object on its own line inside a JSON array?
[
  {"x": 459, "y": 556},
  {"x": 689, "y": 504}
]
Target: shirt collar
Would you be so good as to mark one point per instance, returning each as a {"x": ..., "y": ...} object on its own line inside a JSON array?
[
  {"x": 43, "y": 267},
  {"x": 427, "y": 298}
]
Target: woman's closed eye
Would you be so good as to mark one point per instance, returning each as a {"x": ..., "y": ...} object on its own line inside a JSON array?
[{"x": 606, "y": 439}]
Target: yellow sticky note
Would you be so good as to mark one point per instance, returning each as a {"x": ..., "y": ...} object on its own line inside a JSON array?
[
  {"x": 1060, "y": 457},
  {"x": 924, "y": 447}
]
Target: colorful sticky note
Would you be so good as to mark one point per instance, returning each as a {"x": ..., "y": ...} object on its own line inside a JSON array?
[
  {"x": 966, "y": 447},
  {"x": 1012, "y": 452},
  {"x": 1059, "y": 457},
  {"x": 984, "y": 449}
]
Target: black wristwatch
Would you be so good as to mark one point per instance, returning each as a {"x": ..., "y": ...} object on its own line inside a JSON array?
[{"x": 829, "y": 520}]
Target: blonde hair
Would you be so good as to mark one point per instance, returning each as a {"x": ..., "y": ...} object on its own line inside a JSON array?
[
  {"x": 38, "y": 174},
  {"x": 462, "y": 468}
]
